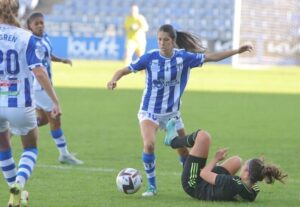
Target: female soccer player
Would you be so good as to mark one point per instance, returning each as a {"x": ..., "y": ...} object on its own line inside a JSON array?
[
  {"x": 136, "y": 27},
  {"x": 43, "y": 102},
  {"x": 219, "y": 182},
  {"x": 19, "y": 59},
  {"x": 167, "y": 73}
]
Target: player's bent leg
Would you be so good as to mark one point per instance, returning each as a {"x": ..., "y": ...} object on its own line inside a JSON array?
[
  {"x": 42, "y": 118},
  {"x": 171, "y": 132},
  {"x": 232, "y": 164},
  {"x": 183, "y": 152},
  {"x": 201, "y": 145},
  {"x": 191, "y": 174}
]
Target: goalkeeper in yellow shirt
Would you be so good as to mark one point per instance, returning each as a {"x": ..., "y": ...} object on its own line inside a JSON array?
[{"x": 136, "y": 27}]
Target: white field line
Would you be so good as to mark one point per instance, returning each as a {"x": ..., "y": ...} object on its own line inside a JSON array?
[
  {"x": 110, "y": 170},
  {"x": 92, "y": 169}
]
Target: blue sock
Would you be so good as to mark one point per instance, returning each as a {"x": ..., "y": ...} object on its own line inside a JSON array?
[
  {"x": 26, "y": 165},
  {"x": 8, "y": 166},
  {"x": 182, "y": 160},
  {"x": 149, "y": 166},
  {"x": 60, "y": 141}
]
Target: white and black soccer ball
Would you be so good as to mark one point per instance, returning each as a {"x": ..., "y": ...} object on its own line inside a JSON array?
[{"x": 129, "y": 180}]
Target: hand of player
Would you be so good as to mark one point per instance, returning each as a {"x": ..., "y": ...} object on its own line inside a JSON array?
[
  {"x": 111, "y": 85},
  {"x": 221, "y": 154},
  {"x": 67, "y": 61},
  {"x": 56, "y": 112},
  {"x": 245, "y": 48},
  {"x": 134, "y": 27}
]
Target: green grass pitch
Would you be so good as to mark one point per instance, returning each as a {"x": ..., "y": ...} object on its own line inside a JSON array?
[{"x": 252, "y": 112}]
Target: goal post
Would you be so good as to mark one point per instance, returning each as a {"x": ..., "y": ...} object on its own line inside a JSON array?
[{"x": 273, "y": 27}]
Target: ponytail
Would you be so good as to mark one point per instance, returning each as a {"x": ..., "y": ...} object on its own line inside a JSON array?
[
  {"x": 189, "y": 41},
  {"x": 272, "y": 173},
  {"x": 259, "y": 171},
  {"x": 184, "y": 40},
  {"x": 8, "y": 8}
]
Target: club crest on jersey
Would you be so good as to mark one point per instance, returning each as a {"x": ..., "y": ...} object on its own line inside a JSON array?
[{"x": 39, "y": 51}]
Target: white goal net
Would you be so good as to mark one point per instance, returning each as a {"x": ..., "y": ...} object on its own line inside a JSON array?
[{"x": 273, "y": 27}]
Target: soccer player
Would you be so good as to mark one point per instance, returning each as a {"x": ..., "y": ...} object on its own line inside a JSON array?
[
  {"x": 167, "y": 73},
  {"x": 19, "y": 59},
  {"x": 35, "y": 23},
  {"x": 218, "y": 182},
  {"x": 136, "y": 27}
]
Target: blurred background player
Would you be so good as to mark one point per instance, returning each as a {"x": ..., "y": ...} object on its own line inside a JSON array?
[
  {"x": 26, "y": 6},
  {"x": 167, "y": 72},
  {"x": 218, "y": 182},
  {"x": 136, "y": 27},
  {"x": 35, "y": 23},
  {"x": 19, "y": 59}
]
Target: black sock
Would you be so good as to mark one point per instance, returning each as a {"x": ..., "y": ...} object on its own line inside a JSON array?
[{"x": 186, "y": 141}]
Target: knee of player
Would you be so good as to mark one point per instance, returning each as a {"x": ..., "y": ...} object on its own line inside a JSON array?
[
  {"x": 149, "y": 146},
  {"x": 42, "y": 122},
  {"x": 204, "y": 136},
  {"x": 237, "y": 160}
]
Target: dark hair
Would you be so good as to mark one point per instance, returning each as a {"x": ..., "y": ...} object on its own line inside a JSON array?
[
  {"x": 32, "y": 17},
  {"x": 185, "y": 40},
  {"x": 8, "y": 9},
  {"x": 259, "y": 171}
]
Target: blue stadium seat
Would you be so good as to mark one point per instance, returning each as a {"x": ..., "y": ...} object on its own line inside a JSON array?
[{"x": 211, "y": 19}]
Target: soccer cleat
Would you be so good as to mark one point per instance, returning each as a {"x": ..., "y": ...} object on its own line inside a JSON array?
[
  {"x": 171, "y": 132},
  {"x": 69, "y": 159},
  {"x": 24, "y": 198},
  {"x": 151, "y": 191},
  {"x": 15, "y": 195}
]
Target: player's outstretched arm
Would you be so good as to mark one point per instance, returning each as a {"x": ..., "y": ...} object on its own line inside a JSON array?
[
  {"x": 217, "y": 56},
  {"x": 62, "y": 60},
  {"x": 43, "y": 79},
  {"x": 206, "y": 173},
  {"x": 117, "y": 76}
]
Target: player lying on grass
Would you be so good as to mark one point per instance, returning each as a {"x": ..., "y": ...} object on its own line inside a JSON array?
[{"x": 218, "y": 182}]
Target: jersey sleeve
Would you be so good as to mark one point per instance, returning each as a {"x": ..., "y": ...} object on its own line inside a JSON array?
[
  {"x": 196, "y": 59},
  {"x": 234, "y": 184},
  {"x": 32, "y": 54},
  {"x": 223, "y": 180},
  {"x": 139, "y": 64},
  {"x": 243, "y": 191}
]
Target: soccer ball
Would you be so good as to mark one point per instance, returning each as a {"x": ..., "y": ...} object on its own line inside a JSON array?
[{"x": 129, "y": 180}]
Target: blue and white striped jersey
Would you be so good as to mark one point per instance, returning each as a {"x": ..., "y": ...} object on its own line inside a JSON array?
[
  {"x": 166, "y": 78},
  {"x": 18, "y": 56},
  {"x": 44, "y": 48}
]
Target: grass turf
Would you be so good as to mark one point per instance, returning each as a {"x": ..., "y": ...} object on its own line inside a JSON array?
[{"x": 102, "y": 127}]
